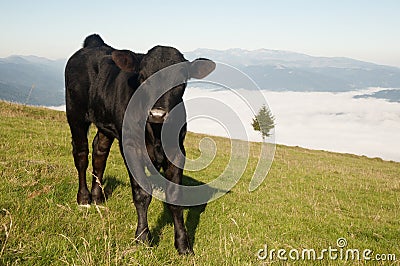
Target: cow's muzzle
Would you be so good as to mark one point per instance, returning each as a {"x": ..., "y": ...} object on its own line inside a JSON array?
[{"x": 157, "y": 115}]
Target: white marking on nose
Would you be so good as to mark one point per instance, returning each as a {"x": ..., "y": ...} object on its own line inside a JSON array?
[{"x": 157, "y": 113}]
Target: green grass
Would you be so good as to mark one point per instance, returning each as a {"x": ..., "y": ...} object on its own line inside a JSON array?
[{"x": 308, "y": 200}]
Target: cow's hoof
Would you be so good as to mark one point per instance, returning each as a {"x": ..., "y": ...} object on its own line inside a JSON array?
[
  {"x": 184, "y": 248},
  {"x": 98, "y": 198},
  {"x": 144, "y": 237},
  {"x": 83, "y": 198},
  {"x": 185, "y": 251}
]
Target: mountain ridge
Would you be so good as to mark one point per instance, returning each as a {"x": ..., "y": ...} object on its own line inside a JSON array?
[
  {"x": 265, "y": 56},
  {"x": 33, "y": 80},
  {"x": 283, "y": 70},
  {"x": 40, "y": 81}
]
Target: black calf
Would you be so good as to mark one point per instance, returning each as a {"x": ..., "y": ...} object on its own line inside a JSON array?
[{"x": 100, "y": 81}]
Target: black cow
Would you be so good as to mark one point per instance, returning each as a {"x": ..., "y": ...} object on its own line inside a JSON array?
[{"x": 100, "y": 81}]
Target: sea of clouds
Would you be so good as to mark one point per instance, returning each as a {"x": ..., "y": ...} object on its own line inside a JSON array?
[{"x": 317, "y": 120}]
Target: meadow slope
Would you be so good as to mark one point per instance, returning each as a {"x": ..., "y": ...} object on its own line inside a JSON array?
[{"x": 308, "y": 200}]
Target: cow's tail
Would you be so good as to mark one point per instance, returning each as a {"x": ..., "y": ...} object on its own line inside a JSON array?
[{"x": 92, "y": 41}]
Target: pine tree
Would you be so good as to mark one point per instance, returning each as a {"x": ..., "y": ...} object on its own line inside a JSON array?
[{"x": 264, "y": 121}]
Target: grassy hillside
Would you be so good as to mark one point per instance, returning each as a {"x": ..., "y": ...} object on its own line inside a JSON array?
[{"x": 309, "y": 200}]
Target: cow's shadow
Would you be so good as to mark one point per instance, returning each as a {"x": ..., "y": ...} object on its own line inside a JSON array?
[
  {"x": 110, "y": 184},
  {"x": 165, "y": 218},
  {"x": 192, "y": 219}
]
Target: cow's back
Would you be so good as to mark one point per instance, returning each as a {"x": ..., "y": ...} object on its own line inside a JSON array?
[
  {"x": 97, "y": 90},
  {"x": 81, "y": 72}
]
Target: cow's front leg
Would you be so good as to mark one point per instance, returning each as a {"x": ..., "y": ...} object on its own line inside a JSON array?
[
  {"x": 173, "y": 194},
  {"x": 141, "y": 198},
  {"x": 101, "y": 149},
  {"x": 142, "y": 201}
]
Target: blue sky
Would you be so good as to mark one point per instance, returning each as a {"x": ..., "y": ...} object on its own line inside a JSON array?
[{"x": 365, "y": 30}]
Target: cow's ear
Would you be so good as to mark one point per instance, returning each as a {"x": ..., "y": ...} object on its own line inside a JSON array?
[
  {"x": 200, "y": 68},
  {"x": 126, "y": 60}
]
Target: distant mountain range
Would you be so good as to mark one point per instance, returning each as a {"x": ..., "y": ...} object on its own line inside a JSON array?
[
  {"x": 32, "y": 80},
  {"x": 281, "y": 70},
  {"x": 39, "y": 81}
]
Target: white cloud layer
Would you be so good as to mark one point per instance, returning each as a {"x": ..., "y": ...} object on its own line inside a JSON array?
[{"x": 316, "y": 120}]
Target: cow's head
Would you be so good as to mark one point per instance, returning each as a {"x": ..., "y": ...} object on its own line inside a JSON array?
[{"x": 161, "y": 57}]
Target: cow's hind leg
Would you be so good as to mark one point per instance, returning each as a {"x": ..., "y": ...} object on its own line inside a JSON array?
[
  {"x": 80, "y": 152},
  {"x": 101, "y": 149}
]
